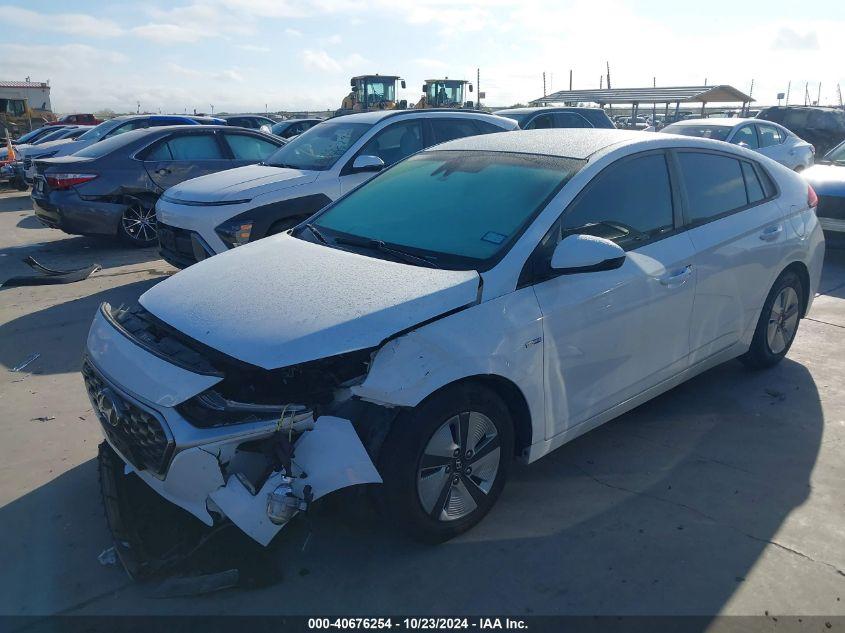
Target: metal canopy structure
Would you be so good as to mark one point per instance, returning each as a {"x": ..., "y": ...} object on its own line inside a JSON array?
[
  {"x": 681, "y": 94},
  {"x": 653, "y": 96}
]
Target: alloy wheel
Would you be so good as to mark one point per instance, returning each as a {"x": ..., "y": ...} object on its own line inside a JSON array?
[
  {"x": 458, "y": 466},
  {"x": 139, "y": 223},
  {"x": 783, "y": 320}
]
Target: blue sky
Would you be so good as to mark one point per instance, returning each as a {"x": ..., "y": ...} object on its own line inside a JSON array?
[{"x": 242, "y": 54}]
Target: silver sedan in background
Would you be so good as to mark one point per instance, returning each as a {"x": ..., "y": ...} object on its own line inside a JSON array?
[{"x": 770, "y": 139}]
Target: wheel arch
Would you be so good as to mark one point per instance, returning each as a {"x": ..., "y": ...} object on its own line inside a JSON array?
[
  {"x": 800, "y": 269},
  {"x": 514, "y": 400}
]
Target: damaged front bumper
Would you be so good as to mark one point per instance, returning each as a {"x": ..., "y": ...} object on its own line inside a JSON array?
[{"x": 257, "y": 474}]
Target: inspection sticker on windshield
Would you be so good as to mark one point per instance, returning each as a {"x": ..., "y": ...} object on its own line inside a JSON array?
[{"x": 494, "y": 238}]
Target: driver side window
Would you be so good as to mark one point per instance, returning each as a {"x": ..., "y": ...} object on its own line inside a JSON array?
[{"x": 629, "y": 203}]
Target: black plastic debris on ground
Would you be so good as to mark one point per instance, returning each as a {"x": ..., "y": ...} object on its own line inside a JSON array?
[
  {"x": 49, "y": 276},
  {"x": 157, "y": 541}
]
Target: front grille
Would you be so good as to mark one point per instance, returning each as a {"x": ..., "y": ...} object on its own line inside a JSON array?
[
  {"x": 831, "y": 207},
  {"x": 177, "y": 241},
  {"x": 135, "y": 432}
]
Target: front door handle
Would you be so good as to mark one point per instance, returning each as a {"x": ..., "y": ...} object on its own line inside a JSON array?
[
  {"x": 163, "y": 171},
  {"x": 677, "y": 278},
  {"x": 771, "y": 233}
]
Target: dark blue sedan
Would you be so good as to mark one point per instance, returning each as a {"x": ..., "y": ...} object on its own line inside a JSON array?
[{"x": 827, "y": 177}]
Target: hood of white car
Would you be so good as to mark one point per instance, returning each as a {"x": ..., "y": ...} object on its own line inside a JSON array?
[
  {"x": 241, "y": 183},
  {"x": 282, "y": 301}
]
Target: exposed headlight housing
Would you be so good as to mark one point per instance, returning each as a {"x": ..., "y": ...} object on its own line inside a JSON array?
[{"x": 235, "y": 232}]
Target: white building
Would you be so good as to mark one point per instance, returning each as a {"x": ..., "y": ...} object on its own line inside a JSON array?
[{"x": 37, "y": 93}]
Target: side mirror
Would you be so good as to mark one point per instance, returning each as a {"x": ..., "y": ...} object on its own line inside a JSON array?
[
  {"x": 265, "y": 128},
  {"x": 470, "y": 87},
  {"x": 367, "y": 163},
  {"x": 351, "y": 83},
  {"x": 585, "y": 254},
  {"x": 742, "y": 144},
  {"x": 423, "y": 88},
  {"x": 402, "y": 83}
]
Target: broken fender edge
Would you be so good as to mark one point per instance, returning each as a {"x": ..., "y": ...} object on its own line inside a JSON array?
[{"x": 331, "y": 456}]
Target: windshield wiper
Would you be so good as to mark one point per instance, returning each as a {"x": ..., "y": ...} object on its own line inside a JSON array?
[
  {"x": 316, "y": 233},
  {"x": 379, "y": 245}
]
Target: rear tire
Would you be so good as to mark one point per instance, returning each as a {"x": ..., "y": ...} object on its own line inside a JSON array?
[
  {"x": 778, "y": 323},
  {"x": 445, "y": 462},
  {"x": 137, "y": 225}
]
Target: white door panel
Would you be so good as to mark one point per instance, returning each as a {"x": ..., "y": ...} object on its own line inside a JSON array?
[
  {"x": 609, "y": 335},
  {"x": 734, "y": 258}
]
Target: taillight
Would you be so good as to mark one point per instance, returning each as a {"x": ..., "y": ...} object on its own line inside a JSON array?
[
  {"x": 812, "y": 198},
  {"x": 66, "y": 181}
]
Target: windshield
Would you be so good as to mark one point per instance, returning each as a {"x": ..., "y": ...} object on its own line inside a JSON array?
[
  {"x": 836, "y": 155},
  {"x": 375, "y": 91},
  {"x": 458, "y": 210},
  {"x": 320, "y": 147},
  {"x": 31, "y": 135},
  {"x": 445, "y": 93},
  {"x": 716, "y": 132},
  {"x": 98, "y": 132}
]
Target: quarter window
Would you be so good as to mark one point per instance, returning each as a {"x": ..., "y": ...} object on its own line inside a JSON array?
[
  {"x": 714, "y": 184},
  {"x": 541, "y": 122},
  {"x": 752, "y": 184},
  {"x": 630, "y": 202},
  {"x": 395, "y": 142}
]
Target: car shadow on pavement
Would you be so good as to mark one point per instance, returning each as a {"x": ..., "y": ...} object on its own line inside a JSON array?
[
  {"x": 58, "y": 332},
  {"x": 20, "y": 202},
  {"x": 666, "y": 510}
]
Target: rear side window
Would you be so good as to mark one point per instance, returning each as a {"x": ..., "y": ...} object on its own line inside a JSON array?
[
  {"x": 541, "y": 122},
  {"x": 630, "y": 202},
  {"x": 769, "y": 135},
  {"x": 395, "y": 142},
  {"x": 135, "y": 124},
  {"x": 715, "y": 185},
  {"x": 570, "y": 119},
  {"x": 248, "y": 147},
  {"x": 448, "y": 129},
  {"x": 487, "y": 128},
  {"x": 746, "y": 136},
  {"x": 193, "y": 147}
]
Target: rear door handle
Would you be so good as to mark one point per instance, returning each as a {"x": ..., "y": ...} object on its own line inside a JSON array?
[
  {"x": 677, "y": 278},
  {"x": 771, "y": 233}
]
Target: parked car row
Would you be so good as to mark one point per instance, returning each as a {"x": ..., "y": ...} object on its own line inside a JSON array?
[{"x": 489, "y": 295}]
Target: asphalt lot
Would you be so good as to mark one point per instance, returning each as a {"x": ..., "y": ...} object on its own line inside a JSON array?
[{"x": 724, "y": 495}]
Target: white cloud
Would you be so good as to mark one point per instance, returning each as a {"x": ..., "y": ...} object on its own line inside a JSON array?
[
  {"x": 293, "y": 33},
  {"x": 787, "y": 39},
  {"x": 168, "y": 33},
  {"x": 19, "y": 60},
  {"x": 230, "y": 74},
  {"x": 253, "y": 48},
  {"x": 79, "y": 24}
]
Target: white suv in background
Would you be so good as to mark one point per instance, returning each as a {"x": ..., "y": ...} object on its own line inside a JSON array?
[{"x": 214, "y": 213}]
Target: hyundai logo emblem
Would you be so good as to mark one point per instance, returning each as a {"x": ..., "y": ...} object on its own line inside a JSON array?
[{"x": 109, "y": 407}]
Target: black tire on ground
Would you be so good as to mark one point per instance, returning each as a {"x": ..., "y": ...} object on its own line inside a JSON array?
[
  {"x": 137, "y": 226},
  {"x": 761, "y": 355},
  {"x": 283, "y": 225},
  {"x": 401, "y": 456}
]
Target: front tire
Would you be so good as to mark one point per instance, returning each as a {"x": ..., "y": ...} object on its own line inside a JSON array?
[
  {"x": 445, "y": 463},
  {"x": 778, "y": 323},
  {"x": 138, "y": 225}
]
